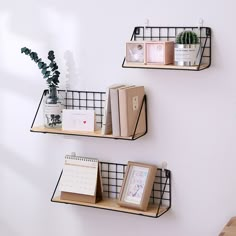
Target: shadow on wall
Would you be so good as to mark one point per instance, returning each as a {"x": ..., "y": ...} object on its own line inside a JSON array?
[
  {"x": 6, "y": 229},
  {"x": 106, "y": 216},
  {"x": 21, "y": 87},
  {"x": 33, "y": 174},
  {"x": 41, "y": 27},
  {"x": 71, "y": 70},
  {"x": 22, "y": 24},
  {"x": 37, "y": 20}
]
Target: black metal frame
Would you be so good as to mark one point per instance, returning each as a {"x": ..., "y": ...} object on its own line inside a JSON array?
[
  {"x": 112, "y": 177},
  {"x": 89, "y": 100},
  {"x": 151, "y": 33}
]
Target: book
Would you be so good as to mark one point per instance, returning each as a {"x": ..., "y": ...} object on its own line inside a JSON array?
[
  {"x": 130, "y": 102},
  {"x": 106, "y": 121},
  {"x": 115, "y": 113},
  {"x": 107, "y": 118},
  {"x": 80, "y": 180}
]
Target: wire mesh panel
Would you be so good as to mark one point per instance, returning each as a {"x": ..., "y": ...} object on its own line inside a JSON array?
[
  {"x": 112, "y": 178},
  {"x": 85, "y": 100},
  {"x": 113, "y": 175},
  {"x": 161, "y": 192}
]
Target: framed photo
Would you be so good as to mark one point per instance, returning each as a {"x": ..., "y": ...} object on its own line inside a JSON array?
[
  {"x": 159, "y": 52},
  {"x": 135, "y": 52},
  {"x": 137, "y": 185}
]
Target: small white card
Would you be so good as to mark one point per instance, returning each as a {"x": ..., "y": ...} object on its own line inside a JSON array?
[{"x": 78, "y": 120}]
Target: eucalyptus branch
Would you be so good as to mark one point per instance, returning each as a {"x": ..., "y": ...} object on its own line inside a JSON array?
[{"x": 50, "y": 72}]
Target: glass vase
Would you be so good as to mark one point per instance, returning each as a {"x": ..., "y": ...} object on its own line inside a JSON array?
[{"x": 53, "y": 105}]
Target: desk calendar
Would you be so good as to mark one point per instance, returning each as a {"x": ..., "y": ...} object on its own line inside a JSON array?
[{"x": 80, "y": 179}]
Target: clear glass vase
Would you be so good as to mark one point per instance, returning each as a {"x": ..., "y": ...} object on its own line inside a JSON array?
[{"x": 53, "y": 105}]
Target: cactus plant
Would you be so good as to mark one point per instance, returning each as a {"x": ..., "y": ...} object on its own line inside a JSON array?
[
  {"x": 50, "y": 72},
  {"x": 187, "y": 37}
]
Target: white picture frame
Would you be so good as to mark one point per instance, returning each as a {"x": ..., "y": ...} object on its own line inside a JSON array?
[{"x": 135, "y": 52}]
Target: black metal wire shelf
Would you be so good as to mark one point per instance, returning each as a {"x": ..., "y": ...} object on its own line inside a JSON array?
[
  {"x": 153, "y": 33},
  {"x": 112, "y": 177},
  {"x": 85, "y": 100}
]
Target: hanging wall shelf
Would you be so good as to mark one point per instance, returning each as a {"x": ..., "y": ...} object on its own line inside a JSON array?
[
  {"x": 112, "y": 177},
  {"x": 149, "y": 33},
  {"x": 85, "y": 100}
]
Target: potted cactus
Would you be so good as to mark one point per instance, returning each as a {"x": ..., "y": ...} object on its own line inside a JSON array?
[
  {"x": 53, "y": 103},
  {"x": 187, "y": 49}
]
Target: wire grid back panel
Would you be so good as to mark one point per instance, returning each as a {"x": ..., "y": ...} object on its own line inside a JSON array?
[
  {"x": 85, "y": 100},
  {"x": 170, "y": 34},
  {"x": 113, "y": 175}
]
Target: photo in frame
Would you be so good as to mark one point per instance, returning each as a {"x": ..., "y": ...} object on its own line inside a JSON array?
[
  {"x": 159, "y": 52},
  {"x": 135, "y": 52},
  {"x": 137, "y": 185}
]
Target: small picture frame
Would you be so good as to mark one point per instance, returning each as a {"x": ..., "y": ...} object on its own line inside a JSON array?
[
  {"x": 135, "y": 52},
  {"x": 159, "y": 52},
  {"x": 137, "y": 185}
]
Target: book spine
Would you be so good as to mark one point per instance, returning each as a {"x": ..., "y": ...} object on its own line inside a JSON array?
[
  {"x": 123, "y": 107},
  {"x": 106, "y": 124},
  {"x": 115, "y": 114}
]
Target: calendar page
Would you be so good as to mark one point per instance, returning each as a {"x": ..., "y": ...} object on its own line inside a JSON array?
[{"x": 79, "y": 175}]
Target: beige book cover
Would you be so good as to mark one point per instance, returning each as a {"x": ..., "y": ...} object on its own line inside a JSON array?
[
  {"x": 107, "y": 119},
  {"x": 130, "y": 102},
  {"x": 115, "y": 110}
]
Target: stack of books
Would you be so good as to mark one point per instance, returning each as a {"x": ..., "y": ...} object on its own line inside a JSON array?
[{"x": 122, "y": 109}]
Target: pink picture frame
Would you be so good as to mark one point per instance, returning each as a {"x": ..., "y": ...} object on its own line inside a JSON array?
[{"x": 159, "y": 52}]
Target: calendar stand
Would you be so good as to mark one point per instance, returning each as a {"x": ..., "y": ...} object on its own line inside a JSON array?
[{"x": 85, "y": 198}]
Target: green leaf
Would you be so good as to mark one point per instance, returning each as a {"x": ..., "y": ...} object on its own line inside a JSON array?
[
  {"x": 44, "y": 71},
  {"x": 23, "y": 49},
  {"x": 47, "y": 73},
  {"x": 51, "y": 56},
  {"x": 34, "y": 56},
  {"x": 27, "y": 51},
  {"x": 55, "y": 67},
  {"x": 49, "y": 80},
  {"x": 40, "y": 65},
  {"x": 55, "y": 79}
]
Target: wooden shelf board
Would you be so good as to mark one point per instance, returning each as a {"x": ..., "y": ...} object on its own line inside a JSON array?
[
  {"x": 111, "y": 204},
  {"x": 96, "y": 133},
  {"x": 230, "y": 228},
  {"x": 156, "y": 66}
]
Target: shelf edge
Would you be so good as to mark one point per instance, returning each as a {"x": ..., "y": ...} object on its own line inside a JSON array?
[
  {"x": 164, "y": 67},
  {"x": 110, "y": 204},
  {"x": 96, "y": 134}
]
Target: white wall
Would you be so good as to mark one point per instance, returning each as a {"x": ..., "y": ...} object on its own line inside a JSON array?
[{"x": 192, "y": 118}]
